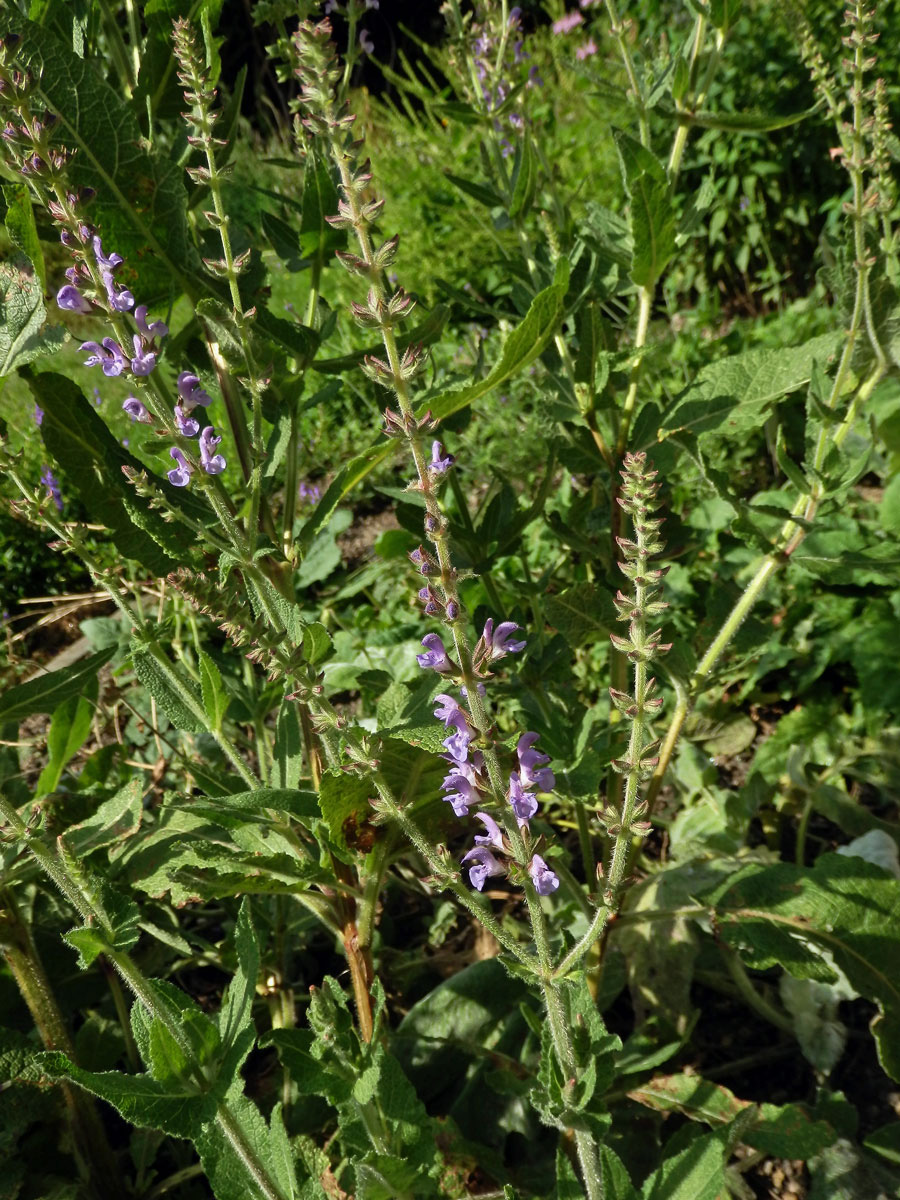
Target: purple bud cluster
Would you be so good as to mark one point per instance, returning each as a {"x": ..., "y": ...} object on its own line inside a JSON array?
[
  {"x": 465, "y": 784},
  {"x": 498, "y": 79},
  {"x": 572, "y": 20},
  {"x": 191, "y": 396}
]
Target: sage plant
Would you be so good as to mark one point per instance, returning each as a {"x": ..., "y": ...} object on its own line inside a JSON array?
[{"x": 302, "y": 760}]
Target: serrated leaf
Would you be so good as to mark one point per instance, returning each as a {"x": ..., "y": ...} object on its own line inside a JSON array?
[
  {"x": 157, "y": 680},
  {"x": 651, "y": 216},
  {"x": 779, "y": 914},
  {"x": 212, "y": 690},
  {"x": 227, "y": 1171},
  {"x": 114, "y": 820},
  {"x": 582, "y": 613},
  {"x": 22, "y": 317},
  {"x": 736, "y": 393},
  {"x": 343, "y": 798},
  {"x": 235, "y": 1014},
  {"x": 46, "y": 693},
  {"x": 21, "y": 227},
  {"x": 141, "y": 1100},
  {"x": 240, "y": 807}
]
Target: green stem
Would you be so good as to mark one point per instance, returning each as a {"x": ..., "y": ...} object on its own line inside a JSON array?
[
  {"x": 618, "y": 31},
  {"x": 88, "y": 908}
]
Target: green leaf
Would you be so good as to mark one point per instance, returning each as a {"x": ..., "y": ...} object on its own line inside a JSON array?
[
  {"x": 215, "y": 701},
  {"x": 21, "y": 227},
  {"x": 157, "y": 680},
  {"x": 141, "y": 1100},
  {"x": 320, "y": 199},
  {"x": 522, "y": 346},
  {"x": 736, "y": 393},
  {"x": 885, "y": 1141},
  {"x": 226, "y": 1170},
  {"x": 343, "y": 798},
  {"x": 115, "y": 820},
  {"x": 235, "y": 1013},
  {"x": 324, "y": 555},
  {"x": 115, "y": 924},
  {"x": 140, "y": 206},
  {"x": 482, "y": 192},
  {"x": 783, "y": 915},
  {"x": 652, "y": 217},
  {"x": 22, "y": 317},
  {"x": 789, "y": 1130},
  {"x": 93, "y": 459},
  {"x": 46, "y": 693},
  {"x": 69, "y": 729},
  {"x": 746, "y": 122},
  {"x": 695, "y": 1173},
  {"x": 582, "y": 613},
  {"x": 288, "y": 749},
  {"x": 302, "y": 805},
  {"x": 524, "y": 177}
]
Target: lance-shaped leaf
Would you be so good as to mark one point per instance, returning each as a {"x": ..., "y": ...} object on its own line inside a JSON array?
[
  {"x": 782, "y": 915},
  {"x": 652, "y": 216},
  {"x": 93, "y": 459},
  {"x": 47, "y": 692}
]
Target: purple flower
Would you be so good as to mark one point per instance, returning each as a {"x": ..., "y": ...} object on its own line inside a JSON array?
[
  {"x": 567, "y": 23},
  {"x": 309, "y": 493},
  {"x": 531, "y": 769},
  {"x": 372, "y": 4},
  {"x": 38, "y": 415},
  {"x": 448, "y": 710},
  {"x": 187, "y": 426},
  {"x": 69, "y": 298},
  {"x": 110, "y": 356},
  {"x": 144, "y": 360},
  {"x": 438, "y": 464},
  {"x": 436, "y": 656},
  {"x": 155, "y": 329},
  {"x": 136, "y": 410},
  {"x": 365, "y": 42},
  {"x": 585, "y": 51},
  {"x": 524, "y": 805},
  {"x": 545, "y": 881},
  {"x": 494, "y": 835},
  {"x": 330, "y": 7},
  {"x": 458, "y": 744},
  {"x": 50, "y": 482},
  {"x": 107, "y": 263},
  {"x": 462, "y": 793},
  {"x": 212, "y": 464},
  {"x": 191, "y": 392},
  {"x": 484, "y": 866},
  {"x": 180, "y": 476},
  {"x": 121, "y": 300},
  {"x": 496, "y": 643}
]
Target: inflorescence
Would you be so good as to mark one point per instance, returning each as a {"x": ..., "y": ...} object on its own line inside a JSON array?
[
  {"x": 475, "y": 775},
  {"x": 92, "y": 287}
]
